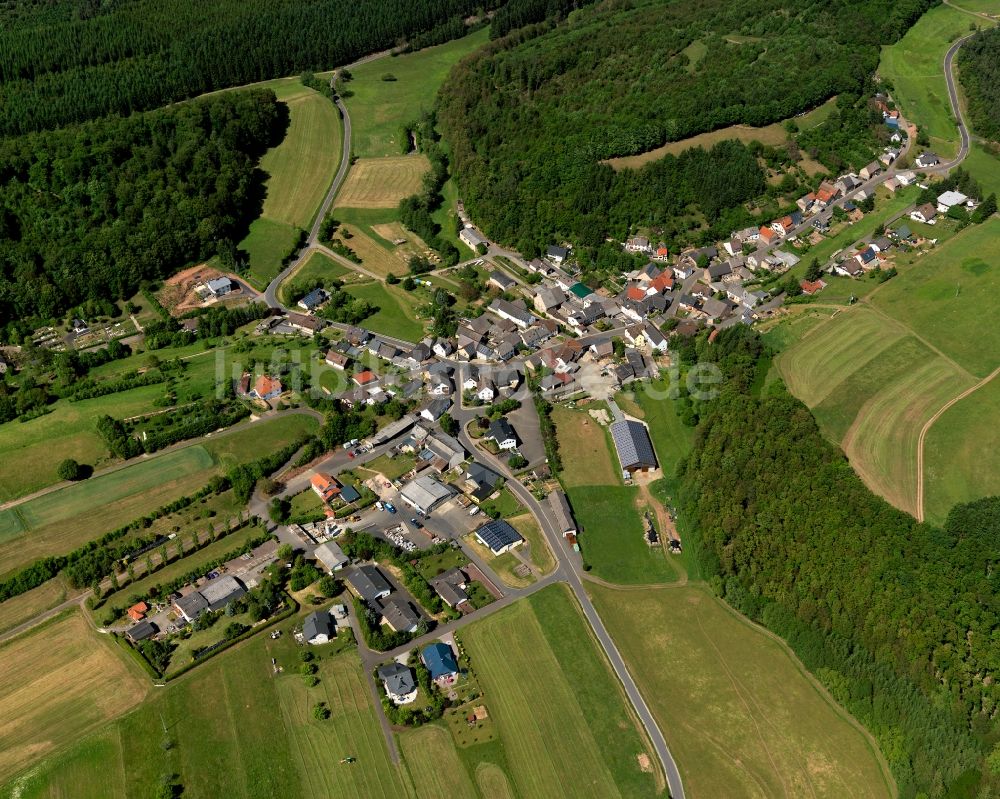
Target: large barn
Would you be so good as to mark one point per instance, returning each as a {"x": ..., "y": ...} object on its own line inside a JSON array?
[{"x": 635, "y": 450}]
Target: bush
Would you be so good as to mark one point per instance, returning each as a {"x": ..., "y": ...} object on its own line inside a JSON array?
[{"x": 69, "y": 469}]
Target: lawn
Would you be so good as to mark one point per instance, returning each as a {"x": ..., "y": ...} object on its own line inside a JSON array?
[
  {"x": 302, "y": 166},
  {"x": 949, "y": 295},
  {"x": 915, "y": 66},
  {"x": 319, "y": 266},
  {"x": 434, "y": 765},
  {"x": 379, "y": 108},
  {"x": 984, "y": 167},
  {"x": 28, "y": 605},
  {"x": 391, "y": 468},
  {"x": 396, "y": 316},
  {"x": 383, "y": 182},
  {"x": 568, "y": 728},
  {"x": 740, "y": 714},
  {"x": 541, "y": 556},
  {"x": 583, "y": 448},
  {"x": 30, "y": 451},
  {"x": 611, "y": 536},
  {"x": 61, "y": 681},
  {"x": 962, "y": 453},
  {"x": 259, "y": 438},
  {"x": 268, "y": 243},
  {"x": 503, "y": 566},
  {"x": 307, "y": 505}
]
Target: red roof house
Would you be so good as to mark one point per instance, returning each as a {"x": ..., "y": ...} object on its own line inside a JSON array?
[
  {"x": 364, "y": 378},
  {"x": 138, "y": 611}
]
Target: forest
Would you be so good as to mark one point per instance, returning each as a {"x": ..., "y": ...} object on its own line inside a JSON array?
[
  {"x": 897, "y": 619},
  {"x": 66, "y": 61},
  {"x": 92, "y": 211},
  {"x": 528, "y": 124},
  {"x": 979, "y": 72}
]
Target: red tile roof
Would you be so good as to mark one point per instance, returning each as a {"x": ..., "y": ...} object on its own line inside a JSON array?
[
  {"x": 635, "y": 293},
  {"x": 812, "y": 286},
  {"x": 663, "y": 283},
  {"x": 365, "y": 377},
  {"x": 266, "y": 385}
]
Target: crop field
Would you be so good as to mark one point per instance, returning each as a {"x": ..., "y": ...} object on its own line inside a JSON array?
[
  {"x": 30, "y": 451},
  {"x": 948, "y": 296},
  {"x": 61, "y": 681},
  {"x": 396, "y": 316},
  {"x": 382, "y": 182},
  {"x": 915, "y": 65},
  {"x": 584, "y": 450},
  {"x": 377, "y": 258},
  {"x": 433, "y": 764},
  {"x": 567, "y": 730},
  {"x": 21, "y": 608},
  {"x": 740, "y": 713},
  {"x": 967, "y": 433},
  {"x": 267, "y": 243},
  {"x": 390, "y": 92}
]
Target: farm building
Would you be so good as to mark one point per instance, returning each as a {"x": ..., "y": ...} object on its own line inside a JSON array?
[
  {"x": 439, "y": 660},
  {"x": 635, "y": 450},
  {"x": 331, "y": 556},
  {"x": 472, "y": 237},
  {"x": 562, "y": 513},
  {"x": 499, "y": 536},
  {"x": 369, "y": 584},
  {"x": 318, "y": 628},
  {"x": 424, "y": 494},
  {"x": 221, "y": 591},
  {"x": 399, "y": 683}
]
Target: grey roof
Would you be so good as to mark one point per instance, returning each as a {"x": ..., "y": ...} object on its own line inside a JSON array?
[
  {"x": 453, "y": 595},
  {"x": 500, "y": 430},
  {"x": 398, "y": 679},
  {"x": 436, "y": 408},
  {"x": 635, "y": 450},
  {"x": 217, "y": 284},
  {"x": 561, "y": 511},
  {"x": 331, "y": 555},
  {"x": 221, "y": 591},
  {"x": 557, "y": 252},
  {"x": 501, "y": 279},
  {"x": 481, "y": 475},
  {"x": 369, "y": 583},
  {"x": 192, "y": 605},
  {"x": 142, "y": 631},
  {"x": 424, "y": 493},
  {"x": 498, "y": 534},
  {"x": 400, "y": 615},
  {"x": 313, "y": 298},
  {"x": 318, "y": 623}
]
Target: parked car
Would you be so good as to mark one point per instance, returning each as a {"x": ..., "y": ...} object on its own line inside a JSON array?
[
  {"x": 379, "y": 505},
  {"x": 350, "y": 454},
  {"x": 473, "y": 510},
  {"x": 389, "y": 507},
  {"x": 416, "y": 523}
]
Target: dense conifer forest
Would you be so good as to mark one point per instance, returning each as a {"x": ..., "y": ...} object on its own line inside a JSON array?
[
  {"x": 530, "y": 116},
  {"x": 979, "y": 71},
  {"x": 65, "y": 61},
  {"x": 897, "y": 619},
  {"x": 91, "y": 211}
]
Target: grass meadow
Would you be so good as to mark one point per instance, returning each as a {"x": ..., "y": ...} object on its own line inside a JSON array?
[
  {"x": 21, "y": 608},
  {"x": 379, "y": 108},
  {"x": 397, "y": 310},
  {"x": 318, "y": 265},
  {"x": 740, "y": 713},
  {"x": 267, "y": 243}
]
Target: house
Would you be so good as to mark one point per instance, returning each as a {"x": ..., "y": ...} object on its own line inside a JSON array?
[
  {"x": 473, "y": 237},
  {"x": 924, "y": 213},
  {"x": 337, "y": 360},
  {"x": 318, "y": 628},
  {"x": 399, "y": 682},
  {"x": 313, "y": 300},
  {"x": 450, "y": 586},
  {"x": 562, "y": 514},
  {"x": 603, "y": 349},
  {"x": 141, "y": 631},
  {"x": 480, "y": 384},
  {"x": 138, "y": 611},
  {"x": 331, "y": 556},
  {"x": 420, "y": 353},
  {"x": 887, "y": 157},
  {"x": 435, "y": 409},
  {"x": 364, "y": 377},
  {"x": 221, "y": 591},
  {"x": 191, "y": 605},
  {"x": 892, "y": 185},
  {"x": 399, "y": 616},
  {"x": 368, "y": 584},
  {"x": 950, "y": 198},
  {"x": 811, "y": 287},
  {"x": 881, "y": 244},
  {"x": 447, "y": 448},
  {"x": 439, "y": 660},
  {"x": 906, "y": 178},
  {"x": 424, "y": 494},
  {"x": 482, "y": 481},
  {"x": 926, "y": 160},
  {"x": 715, "y": 310},
  {"x": 267, "y": 388},
  {"x": 847, "y": 183},
  {"x": 325, "y": 486},
  {"x": 498, "y": 536},
  {"x": 219, "y": 286},
  {"x": 638, "y": 244},
  {"x": 549, "y": 298},
  {"x": 557, "y": 255},
  {"x": 349, "y": 494},
  {"x": 747, "y": 234},
  {"x": 804, "y": 203},
  {"x": 768, "y": 235},
  {"x": 849, "y": 267},
  {"x": 866, "y": 257},
  {"x": 870, "y": 170},
  {"x": 443, "y": 348},
  {"x": 501, "y": 281},
  {"x": 903, "y": 233},
  {"x": 635, "y": 450},
  {"x": 512, "y": 311},
  {"x": 502, "y": 433},
  {"x": 716, "y": 271}
]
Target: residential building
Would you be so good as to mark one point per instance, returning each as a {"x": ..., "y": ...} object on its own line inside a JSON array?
[
  {"x": 498, "y": 536},
  {"x": 365, "y": 377},
  {"x": 399, "y": 682},
  {"x": 634, "y": 448},
  {"x": 549, "y": 298},
  {"x": 451, "y": 587},
  {"x": 318, "y": 628},
  {"x": 313, "y": 300},
  {"x": 502, "y": 433},
  {"x": 325, "y": 486},
  {"x": 219, "y": 286},
  {"x": 949, "y": 199},
  {"x": 267, "y": 388},
  {"x": 870, "y": 170},
  {"x": 927, "y": 160},
  {"x": 439, "y": 658},
  {"x": 924, "y": 213},
  {"x": 473, "y": 237},
  {"x": 638, "y": 244},
  {"x": 557, "y": 255},
  {"x": 337, "y": 360},
  {"x": 435, "y": 409},
  {"x": 138, "y": 611},
  {"x": 400, "y": 616},
  {"x": 481, "y": 481},
  {"x": 141, "y": 631},
  {"x": 501, "y": 281},
  {"x": 368, "y": 584},
  {"x": 512, "y": 311}
]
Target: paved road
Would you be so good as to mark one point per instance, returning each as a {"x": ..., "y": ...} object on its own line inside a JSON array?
[{"x": 956, "y": 107}]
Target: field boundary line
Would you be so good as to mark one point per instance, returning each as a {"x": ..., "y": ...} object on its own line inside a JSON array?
[{"x": 926, "y": 428}]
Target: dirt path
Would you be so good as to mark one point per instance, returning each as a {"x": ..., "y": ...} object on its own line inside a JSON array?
[{"x": 923, "y": 435}]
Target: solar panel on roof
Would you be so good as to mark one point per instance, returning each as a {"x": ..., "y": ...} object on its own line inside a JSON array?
[
  {"x": 633, "y": 444},
  {"x": 498, "y": 534}
]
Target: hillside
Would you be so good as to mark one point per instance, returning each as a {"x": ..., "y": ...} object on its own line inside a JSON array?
[
  {"x": 530, "y": 117},
  {"x": 979, "y": 71}
]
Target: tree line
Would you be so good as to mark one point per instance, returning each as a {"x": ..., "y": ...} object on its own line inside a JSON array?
[
  {"x": 979, "y": 71},
  {"x": 897, "y": 619}
]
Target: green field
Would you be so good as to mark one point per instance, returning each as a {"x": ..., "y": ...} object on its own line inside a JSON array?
[
  {"x": 397, "y": 310},
  {"x": 741, "y": 715},
  {"x": 967, "y": 433},
  {"x": 302, "y": 166},
  {"x": 267, "y": 244},
  {"x": 567, "y": 730},
  {"x": 584, "y": 449},
  {"x": 378, "y": 108},
  {"x": 915, "y": 65},
  {"x": 22, "y": 608},
  {"x": 949, "y": 296},
  {"x": 433, "y": 764},
  {"x": 984, "y": 167},
  {"x": 672, "y": 439},
  {"x": 260, "y": 438},
  {"x": 320, "y": 266}
]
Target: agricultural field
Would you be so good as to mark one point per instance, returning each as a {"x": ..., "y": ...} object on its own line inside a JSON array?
[
  {"x": 914, "y": 64},
  {"x": 434, "y": 765},
  {"x": 61, "y": 681},
  {"x": 260, "y": 438},
  {"x": 584, "y": 449},
  {"x": 20, "y": 609},
  {"x": 984, "y": 166},
  {"x": 302, "y": 166},
  {"x": 967, "y": 433},
  {"x": 267, "y": 244},
  {"x": 568, "y": 730},
  {"x": 397, "y": 310},
  {"x": 388, "y": 93},
  {"x": 382, "y": 182},
  {"x": 948, "y": 296},
  {"x": 740, "y": 713}
]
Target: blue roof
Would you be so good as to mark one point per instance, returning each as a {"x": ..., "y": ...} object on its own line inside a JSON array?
[
  {"x": 349, "y": 494},
  {"x": 439, "y": 660},
  {"x": 498, "y": 534}
]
